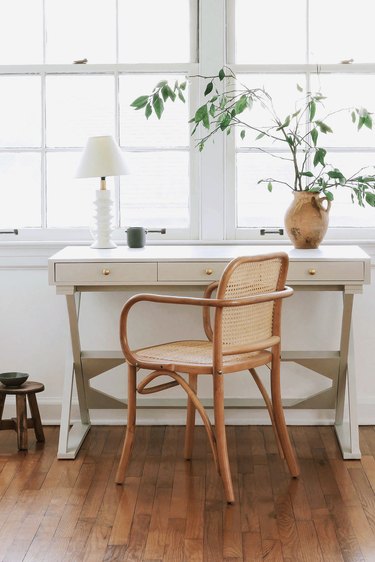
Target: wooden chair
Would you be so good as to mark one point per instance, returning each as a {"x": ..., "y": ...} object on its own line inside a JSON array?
[{"x": 244, "y": 336}]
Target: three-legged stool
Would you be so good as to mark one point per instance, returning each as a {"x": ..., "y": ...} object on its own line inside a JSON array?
[{"x": 22, "y": 422}]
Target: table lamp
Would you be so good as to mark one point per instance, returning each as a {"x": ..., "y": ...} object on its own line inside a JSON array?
[{"x": 102, "y": 157}]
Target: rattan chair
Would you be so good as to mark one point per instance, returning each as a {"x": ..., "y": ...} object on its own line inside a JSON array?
[{"x": 243, "y": 335}]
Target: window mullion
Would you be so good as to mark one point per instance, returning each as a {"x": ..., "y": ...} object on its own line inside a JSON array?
[{"x": 212, "y": 158}]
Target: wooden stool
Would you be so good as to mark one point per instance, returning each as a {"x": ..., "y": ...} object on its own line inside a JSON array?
[{"x": 22, "y": 423}]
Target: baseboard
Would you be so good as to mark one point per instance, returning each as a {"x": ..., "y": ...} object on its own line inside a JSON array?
[{"x": 237, "y": 413}]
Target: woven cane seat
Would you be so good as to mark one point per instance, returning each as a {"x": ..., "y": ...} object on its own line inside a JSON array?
[{"x": 196, "y": 356}]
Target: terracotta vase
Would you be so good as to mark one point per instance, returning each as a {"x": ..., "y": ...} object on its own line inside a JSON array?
[{"x": 306, "y": 219}]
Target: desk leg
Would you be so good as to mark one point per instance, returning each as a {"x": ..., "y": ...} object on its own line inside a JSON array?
[
  {"x": 71, "y": 438},
  {"x": 347, "y": 431}
]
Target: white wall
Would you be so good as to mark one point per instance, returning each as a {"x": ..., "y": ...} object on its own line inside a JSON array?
[{"x": 33, "y": 338}]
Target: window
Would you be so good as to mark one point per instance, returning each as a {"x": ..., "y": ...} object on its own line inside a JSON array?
[
  {"x": 50, "y": 106},
  {"x": 264, "y": 52}
]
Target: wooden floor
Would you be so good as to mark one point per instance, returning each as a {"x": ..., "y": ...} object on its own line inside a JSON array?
[{"x": 173, "y": 510}]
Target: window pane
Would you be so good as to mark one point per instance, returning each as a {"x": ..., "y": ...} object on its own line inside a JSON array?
[
  {"x": 336, "y": 34},
  {"x": 20, "y": 111},
  {"x": 136, "y": 130},
  {"x": 21, "y": 32},
  {"x": 69, "y": 199},
  {"x": 270, "y": 31},
  {"x": 20, "y": 190},
  {"x": 78, "y": 107},
  {"x": 152, "y": 31},
  {"x": 256, "y": 206},
  {"x": 284, "y": 93},
  {"x": 343, "y": 212},
  {"x": 345, "y": 91},
  {"x": 156, "y": 193},
  {"x": 79, "y": 29}
]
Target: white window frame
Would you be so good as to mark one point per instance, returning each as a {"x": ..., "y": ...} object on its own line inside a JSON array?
[
  {"x": 82, "y": 235},
  {"x": 334, "y": 234}
]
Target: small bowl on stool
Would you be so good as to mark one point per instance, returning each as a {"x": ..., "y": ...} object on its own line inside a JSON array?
[{"x": 13, "y": 379}]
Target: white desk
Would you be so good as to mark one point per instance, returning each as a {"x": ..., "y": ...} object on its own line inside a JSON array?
[{"x": 79, "y": 269}]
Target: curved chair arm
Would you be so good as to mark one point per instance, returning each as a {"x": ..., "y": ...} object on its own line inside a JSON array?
[{"x": 195, "y": 301}]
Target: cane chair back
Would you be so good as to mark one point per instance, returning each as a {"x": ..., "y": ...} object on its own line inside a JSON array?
[{"x": 245, "y": 277}]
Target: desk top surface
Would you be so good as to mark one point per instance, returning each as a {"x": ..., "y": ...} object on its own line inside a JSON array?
[{"x": 225, "y": 252}]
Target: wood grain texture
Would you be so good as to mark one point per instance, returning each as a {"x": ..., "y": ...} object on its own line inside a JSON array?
[{"x": 172, "y": 510}]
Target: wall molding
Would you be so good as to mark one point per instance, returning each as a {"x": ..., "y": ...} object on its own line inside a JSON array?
[{"x": 50, "y": 411}]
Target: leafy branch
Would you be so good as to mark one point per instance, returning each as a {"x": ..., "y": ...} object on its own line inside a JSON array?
[{"x": 227, "y": 106}]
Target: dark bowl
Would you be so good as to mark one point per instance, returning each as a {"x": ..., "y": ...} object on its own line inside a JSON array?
[{"x": 13, "y": 379}]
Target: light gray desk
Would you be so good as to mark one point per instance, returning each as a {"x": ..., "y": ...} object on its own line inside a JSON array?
[{"x": 79, "y": 269}]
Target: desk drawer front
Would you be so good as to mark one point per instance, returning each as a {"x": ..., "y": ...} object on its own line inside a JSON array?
[
  {"x": 325, "y": 271},
  {"x": 105, "y": 273},
  {"x": 191, "y": 271}
]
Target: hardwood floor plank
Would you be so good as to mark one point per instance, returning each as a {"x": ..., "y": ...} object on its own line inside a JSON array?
[
  {"x": 171, "y": 509},
  {"x": 309, "y": 542},
  {"x": 124, "y": 513},
  {"x": 193, "y": 550}
]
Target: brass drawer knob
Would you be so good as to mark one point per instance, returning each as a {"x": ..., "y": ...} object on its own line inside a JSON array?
[
  {"x": 209, "y": 271},
  {"x": 312, "y": 271},
  {"x": 106, "y": 271}
]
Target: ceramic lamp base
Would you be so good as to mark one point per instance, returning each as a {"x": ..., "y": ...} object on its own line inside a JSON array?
[{"x": 103, "y": 220}]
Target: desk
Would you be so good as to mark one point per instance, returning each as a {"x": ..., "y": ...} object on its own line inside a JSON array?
[{"x": 78, "y": 269}]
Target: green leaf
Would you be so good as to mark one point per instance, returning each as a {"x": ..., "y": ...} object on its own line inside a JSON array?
[
  {"x": 307, "y": 174},
  {"x": 312, "y": 109},
  {"x": 319, "y": 156},
  {"x": 261, "y": 135},
  {"x": 299, "y": 88},
  {"x": 314, "y": 135},
  {"x": 221, "y": 74},
  {"x": 241, "y": 104},
  {"x": 181, "y": 96},
  {"x": 183, "y": 85},
  {"x": 225, "y": 121},
  {"x": 269, "y": 186},
  {"x": 370, "y": 199},
  {"x": 323, "y": 127},
  {"x": 161, "y": 84},
  {"x": 329, "y": 195},
  {"x": 212, "y": 110},
  {"x": 336, "y": 175},
  {"x": 353, "y": 116},
  {"x": 368, "y": 121},
  {"x": 158, "y": 105},
  {"x": 201, "y": 116},
  {"x": 209, "y": 88},
  {"x": 148, "y": 110},
  {"x": 242, "y": 134},
  {"x": 165, "y": 93},
  {"x": 285, "y": 124},
  {"x": 140, "y": 102}
]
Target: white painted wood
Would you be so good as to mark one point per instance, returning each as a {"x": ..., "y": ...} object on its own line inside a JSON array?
[{"x": 343, "y": 269}]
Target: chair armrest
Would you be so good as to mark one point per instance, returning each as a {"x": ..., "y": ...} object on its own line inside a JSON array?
[{"x": 194, "y": 301}]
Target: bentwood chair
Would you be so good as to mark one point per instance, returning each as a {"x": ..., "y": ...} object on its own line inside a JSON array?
[{"x": 243, "y": 335}]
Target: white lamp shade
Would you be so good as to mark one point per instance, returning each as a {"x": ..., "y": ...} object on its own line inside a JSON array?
[{"x": 101, "y": 157}]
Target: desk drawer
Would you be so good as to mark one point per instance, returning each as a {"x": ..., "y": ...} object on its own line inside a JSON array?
[
  {"x": 325, "y": 271},
  {"x": 191, "y": 271},
  {"x": 105, "y": 273}
]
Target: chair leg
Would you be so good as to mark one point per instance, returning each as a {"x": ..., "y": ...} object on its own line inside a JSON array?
[
  {"x": 190, "y": 419},
  {"x": 279, "y": 415},
  {"x": 130, "y": 428},
  {"x": 222, "y": 449}
]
